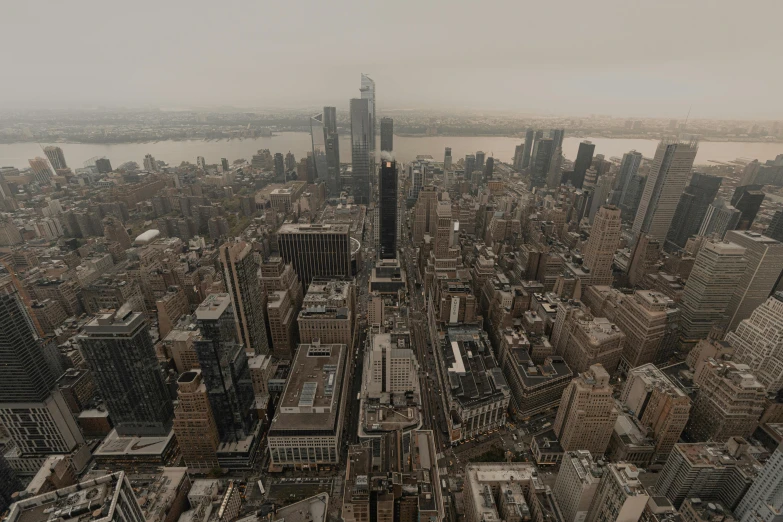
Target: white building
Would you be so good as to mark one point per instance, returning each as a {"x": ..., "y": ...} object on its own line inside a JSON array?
[
  {"x": 758, "y": 342},
  {"x": 620, "y": 496},
  {"x": 576, "y": 484},
  {"x": 393, "y": 369},
  {"x": 764, "y": 500}
]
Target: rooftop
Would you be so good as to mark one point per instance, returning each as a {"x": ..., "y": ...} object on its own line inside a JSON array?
[
  {"x": 213, "y": 307},
  {"x": 473, "y": 372},
  {"x": 314, "y": 228},
  {"x": 313, "y": 509}
]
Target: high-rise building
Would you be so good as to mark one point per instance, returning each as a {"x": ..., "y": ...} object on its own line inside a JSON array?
[
  {"x": 332, "y": 141},
  {"x": 620, "y": 496},
  {"x": 489, "y": 168},
  {"x": 650, "y": 322},
  {"x": 42, "y": 173},
  {"x": 644, "y": 257},
  {"x": 775, "y": 228},
  {"x": 367, "y": 90},
  {"x": 290, "y": 161},
  {"x": 720, "y": 471},
  {"x": 691, "y": 210},
  {"x": 281, "y": 312},
  {"x": 764, "y": 500},
  {"x": 659, "y": 405},
  {"x": 583, "y": 340},
  {"x": 194, "y": 425},
  {"x": 729, "y": 403},
  {"x": 716, "y": 271},
  {"x": 720, "y": 218},
  {"x": 480, "y": 157},
  {"x": 600, "y": 248},
  {"x": 542, "y": 158},
  {"x": 224, "y": 164},
  {"x": 361, "y": 134},
  {"x": 447, "y": 159},
  {"x": 764, "y": 266},
  {"x": 317, "y": 250},
  {"x": 587, "y": 412},
  {"x": 424, "y": 222},
  {"x": 629, "y": 167},
  {"x": 103, "y": 165},
  {"x": 526, "y": 152},
  {"x": 319, "y": 155},
  {"x": 9, "y": 484},
  {"x": 669, "y": 172},
  {"x": 392, "y": 369},
  {"x": 328, "y": 313},
  {"x": 387, "y": 134},
  {"x": 387, "y": 209},
  {"x": 201, "y": 162},
  {"x": 240, "y": 273},
  {"x": 279, "y": 163},
  {"x": 470, "y": 165},
  {"x": 557, "y": 136},
  {"x": 758, "y": 342},
  {"x": 584, "y": 158},
  {"x": 576, "y": 484},
  {"x": 56, "y": 157},
  {"x": 150, "y": 164},
  {"x": 121, "y": 355},
  {"x": 747, "y": 199},
  {"x": 224, "y": 368}
]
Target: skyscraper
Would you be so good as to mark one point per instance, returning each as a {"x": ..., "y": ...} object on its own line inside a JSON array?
[
  {"x": 600, "y": 248},
  {"x": 557, "y": 136},
  {"x": 764, "y": 258},
  {"x": 758, "y": 342},
  {"x": 489, "y": 168},
  {"x": 56, "y": 157},
  {"x": 318, "y": 140},
  {"x": 629, "y": 167},
  {"x": 360, "y": 149},
  {"x": 528, "y": 149},
  {"x": 542, "y": 157},
  {"x": 240, "y": 273},
  {"x": 650, "y": 321},
  {"x": 224, "y": 368},
  {"x": 332, "y": 143},
  {"x": 367, "y": 90},
  {"x": 279, "y": 166},
  {"x": 121, "y": 355},
  {"x": 480, "y": 157},
  {"x": 670, "y": 171},
  {"x": 387, "y": 134},
  {"x": 716, "y": 271},
  {"x": 194, "y": 424},
  {"x": 720, "y": 218},
  {"x": 775, "y": 228},
  {"x": 584, "y": 158},
  {"x": 388, "y": 209},
  {"x": 470, "y": 165},
  {"x": 764, "y": 499},
  {"x": 224, "y": 164},
  {"x": 691, "y": 210},
  {"x": 447, "y": 159},
  {"x": 576, "y": 484},
  {"x": 42, "y": 173},
  {"x": 747, "y": 199},
  {"x": 317, "y": 250},
  {"x": 620, "y": 497},
  {"x": 9, "y": 484}
]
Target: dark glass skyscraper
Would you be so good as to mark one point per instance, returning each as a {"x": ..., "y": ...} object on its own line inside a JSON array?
[
  {"x": 360, "y": 150},
  {"x": 542, "y": 158},
  {"x": 387, "y": 134},
  {"x": 747, "y": 199},
  {"x": 318, "y": 139},
  {"x": 691, "y": 210},
  {"x": 367, "y": 90},
  {"x": 489, "y": 168},
  {"x": 121, "y": 355},
  {"x": 332, "y": 143},
  {"x": 388, "y": 209},
  {"x": 480, "y": 157},
  {"x": 224, "y": 368},
  {"x": 628, "y": 169},
  {"x": 279, "y": 166},
  {"x": 775, "y": 228},
  {"x": 584, "y": 158},
  {"x": 529, "y": 137}
]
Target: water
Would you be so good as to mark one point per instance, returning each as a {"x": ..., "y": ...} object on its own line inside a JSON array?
[{"x": 405, "y": 149}]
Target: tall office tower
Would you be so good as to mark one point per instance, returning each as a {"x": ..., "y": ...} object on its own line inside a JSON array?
[
  {"x": 576, "y": 484},
  {"x": 150, "y": 164},
  {"x": 424, "y": 222},
  {"x": 557, "y": 136},
  {"x": 555, "y": 175},
  {"x": 319, "y": 156},
  {"x": 764, "y": 266},
  {"x": 716, "y": 271},
  {"x": 360, "y": 149},
  {"x": 470, "y": 165},
  {"x": 317, "y": 250},
  {"x": 542, "y": 158},
  {"x": 330, "y": 120},
  {"x": 758, "y": 342},
  {"x": 9, "y": 484},
  {"x": 712, "y": 471},
  {"x": 103, "y": 165},
  {"x": 279, "y": 166},
  {"x": 602, "y": 192},
  {"x": 417, "y": 173},
  {"x": 224, "y": 368},
  {"x": 32, "y": 410},
  {"x": 56, "y": 157},
  {"x": 660, "y": 406},
  {"x": 620, "y": 497},
  {"x": 387, "y": 209},
  {"x": 480, "y": 157},
  {"x": 42, "y": 173},
  {"x": 775, "y": 228},
  {"x": 387, "y": 134},
  {"x": 585, "y": 340},
  {"x": 489, "y": 168},
  {"x": 224, "y": 164},
  {"x": 587, "y": 412},
  {"x": 720, "y": 218},
  {"x": 332, "y": 141},
  {"x": 629, "y": 167},
  {"x": 392, "y": 369},
  {"x": 600, "y": 248},
  {"x": 527, "y": 151},
  {"x": 764, "y": 500},
  {"x": 367, "y": 90},
  {"x": 729, "y": 404},
  {"x": 447, "y": 159},
  {"x": 584, "y": 158},
  {"x": 691, "y": 210},
  {"x": 747, "y": 200},
  {"x": 121, "y": 355},
  {"x": 290, "y": 161},
  {"x": 201, "y": 162},
  {"x": 194, "y": 424},
  {"x": 240, "y": 274},
  {"x": 669, "y": 172},
  {"x": 650, "y": 322}
]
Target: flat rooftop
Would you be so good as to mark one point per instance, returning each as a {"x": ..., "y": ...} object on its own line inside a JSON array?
[
  {"x": 213, "y": 307},
  {"x": 473, "y": 373},
  {"x": 314, "y": 228},
  {"x": 115, "y": 445},
  {"x": 313, "y": 509}
]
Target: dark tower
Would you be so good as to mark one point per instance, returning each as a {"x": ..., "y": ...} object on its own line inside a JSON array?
[
  {"x": 584, "y": 158},
  {"x": 529, "y": 136},
  {"x": 691, "y": 210},
  {"x": 388, "y": 208},
  {"x": 747, "y": 199},
  {"x": 387, "y": 134},
  {"x": 489, "y": 168}
]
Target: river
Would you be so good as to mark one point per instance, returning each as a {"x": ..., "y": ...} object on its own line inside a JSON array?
[{"x": 405, "y": 149}]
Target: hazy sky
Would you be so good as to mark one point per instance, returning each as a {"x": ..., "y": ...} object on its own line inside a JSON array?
[{"x": 621, "y": 57}]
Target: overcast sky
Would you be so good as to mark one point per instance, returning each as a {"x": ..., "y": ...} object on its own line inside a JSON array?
[{"x": 622, "y": 57}]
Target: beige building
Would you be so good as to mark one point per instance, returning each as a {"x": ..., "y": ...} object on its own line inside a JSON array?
[
  {"x": 179, "y": 344},
  {"x": 375, "y": 310},
  {"x": 393, "y": 369},
  {"x": 583, "y": 340},
  {"x": 496, "y": 492},
  {"x": 194, "y": 425},
  {"x": 576, "y": 484},
  {"x": 587, "y": 412},
  {"x": 173, "y": 305},
  {"x": 758, "y": 342},
  {"x": 327, "y": 313},
  {"x": 424, "y": 221},
  {"x": 261, "y": 369},
  {"x": 620, "y": 497},
  {"x": 650, "y": 323},
  {"x": 660, "y": 406},
  {"x": 600, "y": 248},
  {"x": 729, "y": 404},
  {"x": 282, "y": 323}
]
